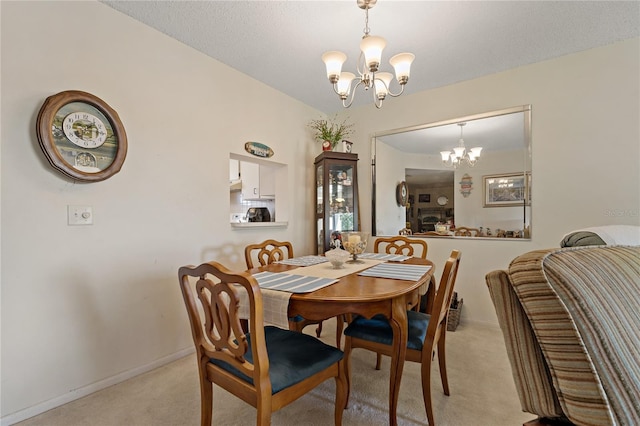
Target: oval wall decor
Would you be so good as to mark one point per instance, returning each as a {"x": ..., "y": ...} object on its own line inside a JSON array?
[
  {"x": 466, "y": 185},
  {"x": 258, "y": 149}
]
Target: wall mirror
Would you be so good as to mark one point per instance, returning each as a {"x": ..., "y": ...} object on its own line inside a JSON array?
[{"x": 491, "y": 197}]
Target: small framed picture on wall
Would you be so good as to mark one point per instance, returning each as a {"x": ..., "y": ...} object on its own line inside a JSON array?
[{"x": 424, "y": 198}]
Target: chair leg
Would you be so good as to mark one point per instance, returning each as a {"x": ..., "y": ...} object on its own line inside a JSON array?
[
  {"x": 264, "y": 410},
  {"x": 206, "y": 401},
  {"x": 347, "y": 368},
  {"x": 342, "y": 392},
  {"x": 378, "y": 361},
  {"x": 426, "y": 389},
  {"x": 442, "y": 363},
  {"x": 339, "y": 327},
  {"x": 319, "y": 329}
]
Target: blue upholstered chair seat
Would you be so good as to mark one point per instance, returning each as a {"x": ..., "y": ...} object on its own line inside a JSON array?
[
  {"x": 377, "y": 329},
  {"x": 292, "y": 357}
]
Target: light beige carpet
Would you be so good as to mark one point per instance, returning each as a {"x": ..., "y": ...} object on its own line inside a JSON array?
[{"x": 482, "y": 393}]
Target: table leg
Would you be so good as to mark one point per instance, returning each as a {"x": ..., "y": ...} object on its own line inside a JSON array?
[{"x": 398, "y": 322}]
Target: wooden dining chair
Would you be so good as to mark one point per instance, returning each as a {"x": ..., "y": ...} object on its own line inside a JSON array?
[
  {"x": 268, "y": 252},
  {"x": 426, "y": 334},
  {"x": 463, "y": 231},
  {"x": 268, "y": 367},
  {"x": 401, "y": 244}
]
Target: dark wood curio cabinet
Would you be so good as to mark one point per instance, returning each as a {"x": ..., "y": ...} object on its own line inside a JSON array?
[{"x": 336, "y": 198}]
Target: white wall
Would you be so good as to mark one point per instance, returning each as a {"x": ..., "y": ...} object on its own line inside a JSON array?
[
  {"x": 391, "y": 217},
  {"x": 470, "y": 211},
  {"x": 83, "y": 307},
  {"x": 585, "y": 151}
]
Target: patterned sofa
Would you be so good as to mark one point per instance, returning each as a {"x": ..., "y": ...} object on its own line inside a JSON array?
[{"x": 571, "y": 324}]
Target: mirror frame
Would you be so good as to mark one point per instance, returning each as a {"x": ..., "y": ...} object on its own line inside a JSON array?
[{"x": 525, "y": 109}]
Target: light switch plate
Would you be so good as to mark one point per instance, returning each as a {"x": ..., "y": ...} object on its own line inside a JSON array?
[{"x": 80, "y": 215}]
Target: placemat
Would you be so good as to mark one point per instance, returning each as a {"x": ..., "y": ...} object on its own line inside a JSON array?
[
  {"x": 397, "y": 271},
  {"x": 385, "y": 256},
  {"x": 304, "y": 260}
]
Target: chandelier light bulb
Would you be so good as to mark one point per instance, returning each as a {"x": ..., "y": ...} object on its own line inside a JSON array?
[
  {"x": 334, "y": 60},
  {"x": 382, "y": 82},
  {"x": 372, "y": 47},
  {"x": 402, "y": 65},
  {"x": 476, "y": 151},
  {"x": 344, "y": 84}
]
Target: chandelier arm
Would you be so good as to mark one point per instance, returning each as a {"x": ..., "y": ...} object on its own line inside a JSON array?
[
  {"x": 335, "y": 89},
  {"x": 378, "y": 103},
  {"x": 397, "y": 94},
  {"x": 394, "y": 95},
  {"x": 353, "y": 94}
]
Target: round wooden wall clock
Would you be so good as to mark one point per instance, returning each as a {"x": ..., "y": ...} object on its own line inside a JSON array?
[
  {"x": 402, "y": 194},
  {"x": 81, "y": 136}
]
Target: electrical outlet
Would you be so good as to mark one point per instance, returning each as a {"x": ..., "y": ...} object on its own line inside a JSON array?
[{"x": 80, "y": 215}]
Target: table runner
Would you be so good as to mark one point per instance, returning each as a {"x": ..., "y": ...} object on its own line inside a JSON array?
[
  {"x": 274, "y": 304},
  {"x": 326, "y": 270}
]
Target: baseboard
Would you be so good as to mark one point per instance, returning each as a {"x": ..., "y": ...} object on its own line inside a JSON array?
[{"x": 87, "y": 390}]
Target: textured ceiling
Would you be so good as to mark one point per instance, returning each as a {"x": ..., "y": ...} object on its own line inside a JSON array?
[{"x": 280, "y": 42}]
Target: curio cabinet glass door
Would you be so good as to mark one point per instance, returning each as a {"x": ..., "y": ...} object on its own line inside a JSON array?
[{"x": 336, "y": 198}]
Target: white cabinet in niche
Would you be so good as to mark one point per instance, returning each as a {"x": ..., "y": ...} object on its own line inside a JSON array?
[
  {"x": 261, "y": 183},
  {"x": 234, "y": 170},
  {"x": 267, "y": 182},
  {"x": 258, "y": 181},
  {"x": 250, "y": 175}
]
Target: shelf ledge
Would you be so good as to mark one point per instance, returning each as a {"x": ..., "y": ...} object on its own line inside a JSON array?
[{"x": 253, "y": 225}]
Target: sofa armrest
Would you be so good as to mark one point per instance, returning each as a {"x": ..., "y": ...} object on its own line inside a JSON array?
[{"x": 530, "y": 372}]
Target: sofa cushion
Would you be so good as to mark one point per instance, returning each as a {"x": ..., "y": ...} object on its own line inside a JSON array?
[
  {"x": 582, "y": 238},
  {"x": 584, "y": 309},
  {"x": 603, "y": 235},
  {"x": 530, "y": 372}
]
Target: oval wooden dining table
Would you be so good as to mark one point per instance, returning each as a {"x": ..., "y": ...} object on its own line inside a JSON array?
[{"x": 366, "y": 296}]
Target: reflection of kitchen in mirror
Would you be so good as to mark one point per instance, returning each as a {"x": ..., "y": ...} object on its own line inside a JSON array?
[{"x": 446, "y": 193}]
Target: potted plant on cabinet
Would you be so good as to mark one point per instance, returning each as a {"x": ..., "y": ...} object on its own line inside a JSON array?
[{"x": 330, "y": 132}]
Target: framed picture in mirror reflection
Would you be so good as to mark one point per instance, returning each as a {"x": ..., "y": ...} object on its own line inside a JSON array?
[{"x": 506, "y": 190}]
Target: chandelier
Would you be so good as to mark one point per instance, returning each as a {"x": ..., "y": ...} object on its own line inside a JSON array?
[
  {"x": 368, "y": 76},
  {"x": 460, "y": 153}
]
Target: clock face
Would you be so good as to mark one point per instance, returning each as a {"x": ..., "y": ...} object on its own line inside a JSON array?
[
  {"x": 442, "y": 200},
  {"x": 84, "y": 129},
  {"x": 81, "y": 136}
]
